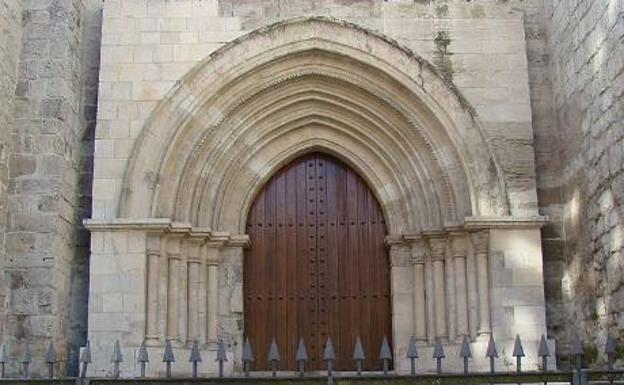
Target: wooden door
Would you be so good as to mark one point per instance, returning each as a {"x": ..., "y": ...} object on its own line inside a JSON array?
[{"x": 317, "y": 266}]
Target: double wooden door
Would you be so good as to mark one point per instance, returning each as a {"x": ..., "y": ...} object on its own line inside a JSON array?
[{"x": 317, "y": 266}]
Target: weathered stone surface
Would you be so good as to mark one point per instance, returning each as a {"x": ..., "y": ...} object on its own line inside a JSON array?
[{"x": 544, "y": 79}]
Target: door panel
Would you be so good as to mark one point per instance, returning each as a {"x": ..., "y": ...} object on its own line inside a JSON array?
[{"x": 317, "y": 265}]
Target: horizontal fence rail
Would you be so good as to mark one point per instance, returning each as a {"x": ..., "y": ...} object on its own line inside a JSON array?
[{"x": 578, "y": 376}]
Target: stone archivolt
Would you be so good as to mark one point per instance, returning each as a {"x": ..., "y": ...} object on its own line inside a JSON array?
[{"x": 309, "y": 85}]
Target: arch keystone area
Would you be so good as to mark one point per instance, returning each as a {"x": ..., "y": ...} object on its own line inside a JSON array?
[{"x": 306, "y": 85}]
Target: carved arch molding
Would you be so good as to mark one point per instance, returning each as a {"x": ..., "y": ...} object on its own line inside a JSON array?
[{"x": 307, "y": 85}]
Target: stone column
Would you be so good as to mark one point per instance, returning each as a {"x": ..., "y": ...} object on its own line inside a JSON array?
[
  {"x": 449, "y": 268},
  {"x": 429, "y": 295},
  {"x": 480, "y": 243},
  {"x": 437, "y": 246},
  {"x": 173, "y": 256},
  {"x": 212, "y": 303},
  {"x": 193, "y": 291},
  {"x": 420, "y": 312},
  {"x": 473, "y": 294},
  {"x": 183, "y": 293},
  {"x": 402, "y": 290},
  {"x": 202, "y": 290},
  {"x": 153, "y": 262},
  {"x": 458, "y": 246}
]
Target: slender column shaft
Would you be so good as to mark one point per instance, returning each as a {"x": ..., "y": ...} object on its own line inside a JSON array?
[
  {"x": 462, "y": 300},
  {"x": 458, "y": 242},
  {"x": 420, "y": 326},
  {"x": 172, "y": 303},
  {"x": 440, "y": 298},
  {"x": 193, "y": 300},
  {"x": 173, "y": 288},
  {"x": 473, "y": 296},
  {"x": 480, "y": 242},
  {"x": 153, "y": 261},
  {"x": 163, "y": 291},
  {"x": 429, "y": 298},
  {"x": 183, "y": 298},
  {"x": 213, "y": 295},
  {"x": 449, "y": 268},
  {"x": 202, "y": 298},
  {"x": 420, "y": 312}
]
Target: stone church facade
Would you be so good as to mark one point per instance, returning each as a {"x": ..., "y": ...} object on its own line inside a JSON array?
[{"x": 140, "y": 138}]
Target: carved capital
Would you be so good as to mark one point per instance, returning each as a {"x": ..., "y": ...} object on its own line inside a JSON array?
[
  {"x": 437, "y": 247},
  {"x": 419, "y": 251},
  {"x": 480, "y": 241},
  {"x": 193, "y": 250},
  {"x": 458, "y": 244},
  {"x": 173, "y": 247},
  {"x": 213, "y": 256},
  {"x": 152, "y": 244},
  {"x": 400, "y": 255}
]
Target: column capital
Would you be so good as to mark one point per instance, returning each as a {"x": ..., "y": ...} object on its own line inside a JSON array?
[
  {"x": 419, "y": 251},
  {"x": 400, "y": 255},
  {"x": 152, "y": 244},
  {"x": 437, "y": 247},
  {"x": 458, "y": 244},
  {"x": 480, "y": 240}
]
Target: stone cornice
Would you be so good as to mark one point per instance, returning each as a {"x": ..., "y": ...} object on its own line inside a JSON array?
[
  {"x": 470, "y": 224},
  {"x": 167, "y": 226},
  {"x": 506, "y": 222}
]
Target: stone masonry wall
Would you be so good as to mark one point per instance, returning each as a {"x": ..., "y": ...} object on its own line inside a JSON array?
[
  {"x": 10, "y": 35},
  {"x": 586, "y": 47},
  {"x": 46, "y": 264}
]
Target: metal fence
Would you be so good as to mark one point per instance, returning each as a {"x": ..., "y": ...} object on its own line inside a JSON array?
[{"x": 578, "y": 376}]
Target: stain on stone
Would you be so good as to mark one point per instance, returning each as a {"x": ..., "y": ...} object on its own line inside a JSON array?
[{"x": 442, "y": 58}]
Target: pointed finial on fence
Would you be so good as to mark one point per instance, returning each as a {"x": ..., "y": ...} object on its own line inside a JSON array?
[
  {"x": 51, "y": 359},
  {"x": 543, "y": 352},
  {"x": 221, "y": 357},
  {"x": 168, "y": 357},
  {"x": 518, "y": 352},
  {"x": 438, "y": 354},
  {"x": 301, "y": 357},
  {"x": 465, "y": 353},
  {"x": 85, "y": 359},
  {"x": 195, "y": 358},
  {"x": 329, "y": 356},
  {"x": 274, "y": 357},
  {"x": 412, "y": 354},
  {"x": 248, "y": 357},
  {"x": 358, "y": 356},
  {"x": 610, "y": 351},
  {"x": 4, "y": 359},
  {"x": 25, "y": 361},
  {"x": 142, "y": 358},
  {"x": 492, "y": 352},
  {"x": 578, "y": 350},
  {"x": 385, "y": 355}
]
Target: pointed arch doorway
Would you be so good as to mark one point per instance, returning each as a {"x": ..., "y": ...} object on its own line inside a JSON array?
[{"x": 317, "y": 265}]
